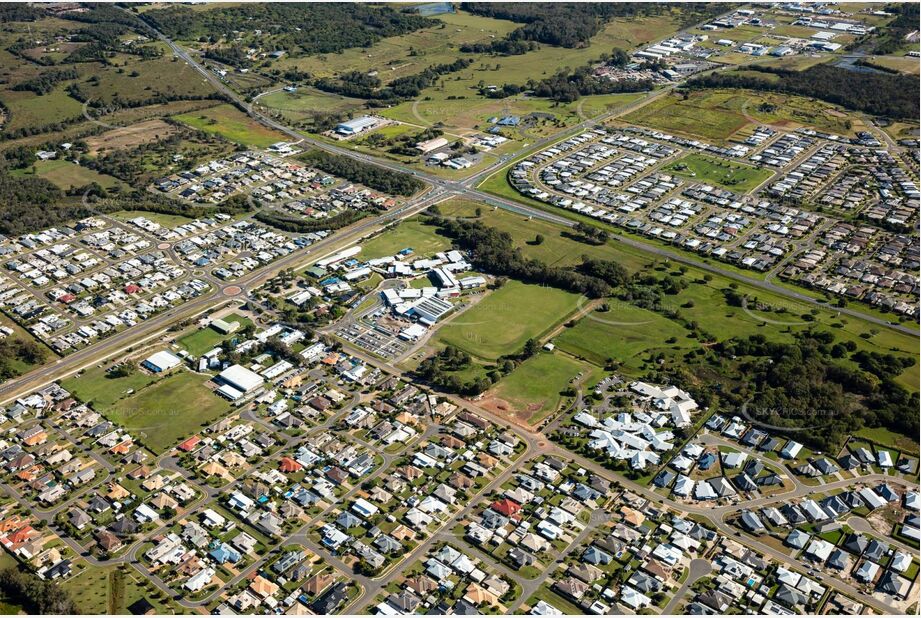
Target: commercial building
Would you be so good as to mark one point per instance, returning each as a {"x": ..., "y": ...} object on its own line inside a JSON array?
[
  {"x": 356, "y": 125},
  {"x": 225, "y": 328},
  {"x": 161, "y": 361},
  {"x": 236, "y": 381},
  {"x": 432, "y": 144},
  {"x": 430, "y": 310}
]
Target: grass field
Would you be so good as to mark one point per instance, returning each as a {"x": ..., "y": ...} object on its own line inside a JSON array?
[
  {"x": 502, "y": 322},
  {"x": 558, "y": 248},
  {"x": 721, "y": 172},
  {"x": 704, "y": 302},
  {"x": 407, "y": 54},
  {"x": 28, "y": 110},
  {"x": 885, "y": 437},
  {"x": 902, "y": 64},
  {"x": 168, "y": 410},
  {"x": 456, "y": 103},
  {"x": 299, "y": 105},
  {"x": 422, "y": 239},
  {"x": 706, "y": 114},
  {"x": 230, "y": 123},
  {"x": 94, "y": 386},
  {"x": 67, "y": 175},
  {"x": 533, "y": 389},
  {"x": 204, "y": 339},
  {"x": 129, "y": 78},
  {"x": 625, "y": 333},
  {"x": 719, "y": 114}
]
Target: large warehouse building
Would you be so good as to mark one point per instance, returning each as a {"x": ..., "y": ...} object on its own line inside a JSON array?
[
  {"x": 236, "y": 381},
  {"x": 161, "y": 361},
  {"x": 355, "y": 125}
]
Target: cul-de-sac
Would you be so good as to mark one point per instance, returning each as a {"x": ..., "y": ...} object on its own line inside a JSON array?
[{"x": 458, "y": 308}]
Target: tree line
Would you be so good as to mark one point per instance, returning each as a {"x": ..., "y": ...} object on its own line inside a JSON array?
[
  {"x": 44, "y": 82},
  {"x": 361, "y": 85},
  {"x": 494, "y": 252},
  {"x": 36, "y": 595},
  {"x": 570, "y": 24},
  {"x": 566, "y": 86},
  {"x": 304, "y": 226},
  {"x": 372, "y": 176},
  {"x": 894, "y": 96}
]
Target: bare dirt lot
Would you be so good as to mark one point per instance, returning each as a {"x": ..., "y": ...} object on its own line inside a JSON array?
[{"x": 122, "y": 138}]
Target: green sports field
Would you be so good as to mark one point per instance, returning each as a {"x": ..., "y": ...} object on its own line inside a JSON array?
[
  {"x": 411, "y": 234},
  {"x": 506, "y": 318},
  {"x": 625, "y": 333},
  {"x": 169, "y": 410},
  {"x": 532, "y": 390}
]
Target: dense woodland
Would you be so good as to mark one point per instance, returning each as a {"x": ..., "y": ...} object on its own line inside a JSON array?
[
  {"x": 372, "y": 176},
  {"x": 894, "y": 96},
  {"x": 315, "y": 28},
  {"x": 807, "y": 384}
]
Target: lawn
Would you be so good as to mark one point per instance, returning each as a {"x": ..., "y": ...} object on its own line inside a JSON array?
[
  {"x": 67, "y": 175},
  {"x": 156, "y": 217},
  {"x": 94, "y": 591},
  {"x": 170, "y": 409},
  {"x": 721, "y": 172},
  {"x": 412, "y": 234},
  {"x": 230, "y": 123},
  {"x": 533, "y": 388},
  {"x": 625, "y": 333},
  {"x": 205, "y": 339},
  {"x": 506, "y": 318}
]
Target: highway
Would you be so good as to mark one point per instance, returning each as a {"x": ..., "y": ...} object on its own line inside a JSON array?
[
  {"x": 466, "y": 189},
  {"x": 158, "y": 324}
]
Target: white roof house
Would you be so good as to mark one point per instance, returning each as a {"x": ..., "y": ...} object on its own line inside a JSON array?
[{"x": 791, "y": 449}]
